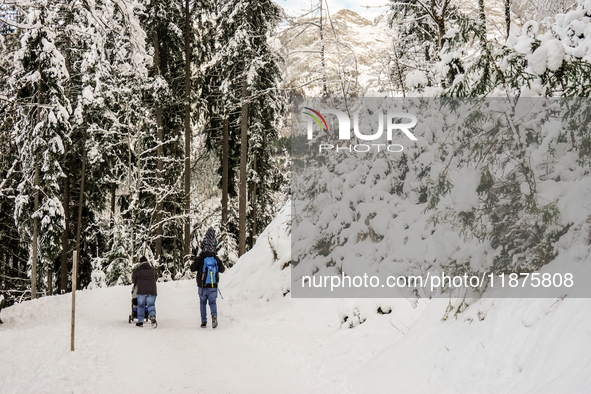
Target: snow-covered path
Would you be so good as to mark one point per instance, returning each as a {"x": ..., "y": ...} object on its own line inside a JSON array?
[
  {"x": 114, "y": 356},
  {"x": 267, "y": 343},
  {"x": 295, "y": 346}
]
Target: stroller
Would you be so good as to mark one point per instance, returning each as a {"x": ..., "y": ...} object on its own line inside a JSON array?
[{"x": 134, "y": 307}]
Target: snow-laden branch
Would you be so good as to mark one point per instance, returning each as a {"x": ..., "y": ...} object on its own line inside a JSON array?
[
  {"x": 17, "y": 25},
  {"x": 303, "y": 51},
  {"x": 293, "y": 38},
  {"x": 8, "y": 175},
  {"x": 46, "y": 106}
]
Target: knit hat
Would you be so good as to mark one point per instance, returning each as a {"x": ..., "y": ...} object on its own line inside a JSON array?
[{"x": 209, "y": 243}]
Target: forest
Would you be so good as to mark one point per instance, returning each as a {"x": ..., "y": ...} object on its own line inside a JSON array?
[{"x": 129, "y": 127}]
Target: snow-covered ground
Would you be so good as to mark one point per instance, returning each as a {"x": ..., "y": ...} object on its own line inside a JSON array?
[
  {"x": 113, "y": 356},
  {"x": 270, "y": 343}
]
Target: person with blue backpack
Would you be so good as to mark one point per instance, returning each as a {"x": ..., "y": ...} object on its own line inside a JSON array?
[{"x": 208, "y": 267}]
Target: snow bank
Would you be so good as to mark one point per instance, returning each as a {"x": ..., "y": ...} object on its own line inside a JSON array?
[
  {"x": 264, "y": 271},
  {"x": 495, "y": 346}
]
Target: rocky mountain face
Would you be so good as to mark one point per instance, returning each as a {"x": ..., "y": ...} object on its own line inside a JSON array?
[{"x": 357, "y": 54}]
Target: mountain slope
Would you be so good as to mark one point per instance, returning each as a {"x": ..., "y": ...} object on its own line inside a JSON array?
[{"x": 356, "y": 54}]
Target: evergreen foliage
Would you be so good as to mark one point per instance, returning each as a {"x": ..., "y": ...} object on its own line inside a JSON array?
[
  {"x": 42, "y": 128},
  {"x": 95, "y": 97},
  {"x": 242, "y": 50}
]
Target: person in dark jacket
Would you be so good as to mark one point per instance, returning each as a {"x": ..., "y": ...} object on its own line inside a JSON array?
[
  {"x": 208, "y": 289},
  {"x": 144, "y": 279}
]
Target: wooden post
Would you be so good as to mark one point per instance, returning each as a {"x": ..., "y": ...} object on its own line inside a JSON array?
[{"x": 74, "y": 276}]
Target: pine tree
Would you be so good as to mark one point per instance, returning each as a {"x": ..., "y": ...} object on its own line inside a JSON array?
[
  {"x": 420, "y": 35},
  {"x": 242, "y": 83},
  {"x": 14, "y": 250},
  {"x": 554, "y": 63},
  {"x": 108, "y": 80},
  {"x": 164, "y": 23},
  {"x": 43, "y": 113}
]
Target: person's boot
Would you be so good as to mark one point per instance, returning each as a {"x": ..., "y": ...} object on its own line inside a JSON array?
[
  {"x": 214, "y": 321},
  {"x": 203, "y": 324},
  {"x": 153, "y": 321},
  {"x": 139, "y": 324}
]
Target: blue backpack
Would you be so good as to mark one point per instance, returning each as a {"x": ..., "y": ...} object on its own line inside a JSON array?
[{"x": 210, "y": 269}]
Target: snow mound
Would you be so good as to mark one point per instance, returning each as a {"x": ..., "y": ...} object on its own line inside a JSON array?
[
  {"x": 494, "y": 346},
  {"x": 264, "y": 271}
]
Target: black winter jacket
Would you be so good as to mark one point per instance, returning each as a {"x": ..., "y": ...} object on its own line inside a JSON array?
[
  {"x": 145, "y": 277},
  {"x": 197, "y": 266}
]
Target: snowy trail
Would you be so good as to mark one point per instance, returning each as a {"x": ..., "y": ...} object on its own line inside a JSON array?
[
  {"x": 295, "y": 346},
  {"x": 114, "y": 356}
]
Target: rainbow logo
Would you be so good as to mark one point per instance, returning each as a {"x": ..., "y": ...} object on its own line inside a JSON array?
[{"x": 316, "y": 118}]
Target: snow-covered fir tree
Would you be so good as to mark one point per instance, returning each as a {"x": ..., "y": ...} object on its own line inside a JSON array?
[
  {"x": 103, "y": 106},
  {"x": 43, "y": 128},
  {"x": 14, "y": 249},
  {"x": 244, "y": 55},
  {"x": 163, "y": 22}
]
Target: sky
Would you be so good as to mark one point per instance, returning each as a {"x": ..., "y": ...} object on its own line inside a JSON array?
[{"x": 293, "y": 7}]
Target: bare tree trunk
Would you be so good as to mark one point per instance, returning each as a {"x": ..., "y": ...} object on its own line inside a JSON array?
[
  {"x": 508, "y": 17},
  {"x": 35, "y": 228},
  {"x": 254, "y": 204},
  {"x": 322, "y": 62},
  {"x": 160, "y": 153},
  {"x": 243, "y": 159},
  {"x": 134, "y": 227},
  {"x": 113, "y": 206},
  {"x": 439, "y": 13},
  {"x": 66, "y": 195},
  {"x": 399, "y": 73},
  {"x": 36, "y": 208},
  {"x": 80, "y": 206},
  {"x": 188, "y": 133},
  {"x": 482, "y": 20},
  {"x": 136, "y": 198},
  {"x": 225, "y": 169},
  {"x": 50, "y": 279}
]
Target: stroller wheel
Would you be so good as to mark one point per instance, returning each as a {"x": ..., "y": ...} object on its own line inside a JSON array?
[{"x": 130, "y": 319}]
